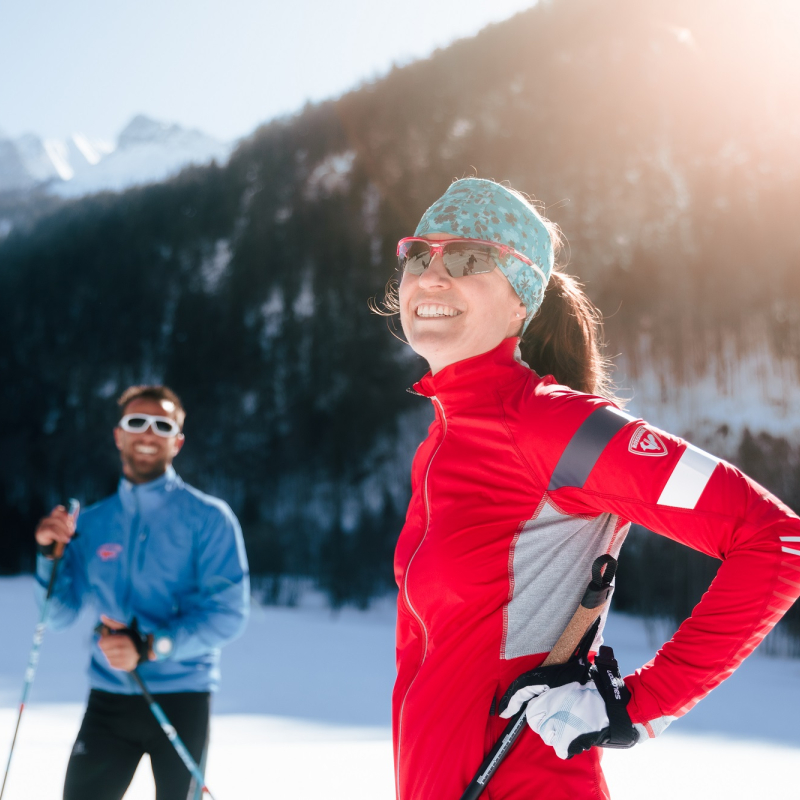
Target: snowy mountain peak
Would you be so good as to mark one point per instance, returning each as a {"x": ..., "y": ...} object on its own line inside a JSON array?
[
  {"x": 145, "y": 130},
  {"x": 147, "y": 151}
]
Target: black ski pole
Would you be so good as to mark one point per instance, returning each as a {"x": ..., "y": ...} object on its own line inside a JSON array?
[
  {"x": 38, "y": 635},
  {"x": 590, "y": 608},
  {"x": 172, "y": 734}
]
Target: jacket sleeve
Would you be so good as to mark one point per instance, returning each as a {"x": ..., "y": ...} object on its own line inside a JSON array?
[
  {"x": 216, "y": 612},
  {"x": 640, "y": 473},
  {"x": 70, "y": 588}
]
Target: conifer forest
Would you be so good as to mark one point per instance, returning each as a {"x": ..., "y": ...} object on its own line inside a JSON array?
[{"x": 672, "y": 167}]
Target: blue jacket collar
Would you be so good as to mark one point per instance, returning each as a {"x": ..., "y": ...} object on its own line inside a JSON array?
[{"x": 143, "y": 496}]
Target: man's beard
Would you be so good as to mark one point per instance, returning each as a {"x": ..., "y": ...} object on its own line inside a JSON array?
[{"x": 144, "y": 474}]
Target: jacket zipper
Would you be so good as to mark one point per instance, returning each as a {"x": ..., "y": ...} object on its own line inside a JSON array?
[
  {"x": 133, "y": 536},
  {"x": 405, "y": 589}
]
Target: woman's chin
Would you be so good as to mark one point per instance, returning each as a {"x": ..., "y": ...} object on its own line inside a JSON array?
[{"x": 434, "y": 344}]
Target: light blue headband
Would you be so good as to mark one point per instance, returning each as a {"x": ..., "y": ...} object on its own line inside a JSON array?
[{"x": 474, "y": 208}]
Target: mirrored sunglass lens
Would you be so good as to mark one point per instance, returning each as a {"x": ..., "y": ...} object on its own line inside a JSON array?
[
  {"x": 414, "y": 257},
  {"x": 468, "y": 259},
  {"x": 163, "y": 426}
]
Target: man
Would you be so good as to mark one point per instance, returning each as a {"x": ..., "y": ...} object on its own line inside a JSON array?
[{"x": 165, "y": 568}]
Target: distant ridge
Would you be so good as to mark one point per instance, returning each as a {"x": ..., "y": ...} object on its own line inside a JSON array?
[{"x": 146, "y": 151}]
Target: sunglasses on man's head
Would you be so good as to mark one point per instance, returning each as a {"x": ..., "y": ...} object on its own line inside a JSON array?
[
  {"x": 139, "y": 423},
  {"x": 460, "y": 256}
]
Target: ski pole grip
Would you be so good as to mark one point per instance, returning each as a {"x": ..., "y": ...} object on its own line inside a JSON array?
[
  {"x": 73, "y": 509},
  {"x": 594, "y": 600}
]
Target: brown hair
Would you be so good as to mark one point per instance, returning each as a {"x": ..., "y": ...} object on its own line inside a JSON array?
[
  {"x": 157, "y": 393},
  {"x": 565, "y": 339}
]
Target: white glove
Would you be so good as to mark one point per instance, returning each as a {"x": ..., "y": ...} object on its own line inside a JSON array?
[
  {"x": 561, "y": 714},
  {"x": 522, "y": 696}
]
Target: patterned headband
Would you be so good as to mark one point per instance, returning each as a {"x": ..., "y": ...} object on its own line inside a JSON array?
[{"x": 474, "y": 208}]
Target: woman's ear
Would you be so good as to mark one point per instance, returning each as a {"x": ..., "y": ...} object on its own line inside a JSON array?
[{"x": 520, "y": 312}]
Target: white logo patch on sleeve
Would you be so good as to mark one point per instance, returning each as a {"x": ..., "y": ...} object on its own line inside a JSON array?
[
  {"x": 688, "y": 479},
  {"x": 646, "y": 443}
]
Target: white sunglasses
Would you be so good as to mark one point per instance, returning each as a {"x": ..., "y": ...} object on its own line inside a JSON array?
[{"x": 139, "y": 423}]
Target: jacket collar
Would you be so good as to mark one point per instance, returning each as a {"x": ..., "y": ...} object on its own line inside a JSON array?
[
  {"x": 467, "y": 381},
  {"x": 144, "y": 496}
]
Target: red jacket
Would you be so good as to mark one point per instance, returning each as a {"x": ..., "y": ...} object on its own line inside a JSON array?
[{"x": 518, "y": 487}]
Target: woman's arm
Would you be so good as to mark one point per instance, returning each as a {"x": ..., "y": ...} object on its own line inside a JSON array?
[{"x": 660, "y": 481}]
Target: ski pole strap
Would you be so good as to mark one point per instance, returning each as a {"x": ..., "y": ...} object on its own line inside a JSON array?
[
  {"x": 620, "y": 732},
  {"x": 606, "y": 676},
  {"x": 598, "y": 591}
]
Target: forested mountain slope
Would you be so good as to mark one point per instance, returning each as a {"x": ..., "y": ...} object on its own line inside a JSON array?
[{"x": 662, "y": 135}]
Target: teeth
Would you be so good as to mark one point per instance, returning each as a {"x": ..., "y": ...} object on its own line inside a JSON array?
[
  {"x": 430, "y": 310},
  {"x": 147, "y": 449}
]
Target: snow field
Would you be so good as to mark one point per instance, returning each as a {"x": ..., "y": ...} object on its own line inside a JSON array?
[
  {"x": 685, "y": 767},
  {"x": 304, "y": 712},
  {"x": 250, "y": 757}
]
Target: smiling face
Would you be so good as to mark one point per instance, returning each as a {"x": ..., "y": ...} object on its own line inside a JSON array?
[
  {"x": 449, "y": 319},
  {"x": 145, "y": 456}
]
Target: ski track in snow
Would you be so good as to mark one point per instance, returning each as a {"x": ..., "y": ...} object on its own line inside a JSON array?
[{"x": 305, "y": 709}]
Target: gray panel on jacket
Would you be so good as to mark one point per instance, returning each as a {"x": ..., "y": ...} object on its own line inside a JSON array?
[
  {"x": 551, "y": 568},
  {"x": 586, "y": 445}
]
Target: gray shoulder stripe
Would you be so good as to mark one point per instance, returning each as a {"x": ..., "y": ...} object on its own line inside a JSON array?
[{"x": 586, "y": 445}]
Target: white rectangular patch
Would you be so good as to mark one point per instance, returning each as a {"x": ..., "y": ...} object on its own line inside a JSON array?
[
  {"x": 790, "y": 538},
  {"x": 789, "y": 550},
  {"x": 688, "y": 479}
]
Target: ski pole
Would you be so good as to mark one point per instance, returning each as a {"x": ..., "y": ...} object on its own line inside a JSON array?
[
  {"x": 589, "y": 610},
  {"x": 38, "y": 635},
  {"x": 172, "y": 734}
]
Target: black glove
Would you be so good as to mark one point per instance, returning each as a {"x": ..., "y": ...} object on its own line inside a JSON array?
[{"x": 620, "y": 732}]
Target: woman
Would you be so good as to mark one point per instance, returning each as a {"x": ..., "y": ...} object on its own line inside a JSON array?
[{"x": 520, "y": 484}]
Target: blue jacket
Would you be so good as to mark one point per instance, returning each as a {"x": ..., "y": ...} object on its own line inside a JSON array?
[{"x": 169, "y": 556}]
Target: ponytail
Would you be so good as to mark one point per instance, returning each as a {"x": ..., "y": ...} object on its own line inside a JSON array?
[{"x": 565, "y": 339}]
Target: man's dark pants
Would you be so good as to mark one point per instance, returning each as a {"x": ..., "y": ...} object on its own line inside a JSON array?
[{"x": 118, "y": 729}]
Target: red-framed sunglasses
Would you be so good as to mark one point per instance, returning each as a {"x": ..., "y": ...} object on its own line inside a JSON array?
[{"x": 460, "y": 256}]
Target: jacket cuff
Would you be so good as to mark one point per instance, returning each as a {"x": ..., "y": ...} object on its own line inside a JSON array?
[{"x": 642, "y": 706}]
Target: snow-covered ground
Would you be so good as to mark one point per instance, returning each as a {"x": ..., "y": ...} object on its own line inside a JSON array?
[{"x": 304, "y": 712}]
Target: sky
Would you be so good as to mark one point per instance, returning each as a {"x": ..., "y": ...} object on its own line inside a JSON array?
[{"x": 223, "y": 66}]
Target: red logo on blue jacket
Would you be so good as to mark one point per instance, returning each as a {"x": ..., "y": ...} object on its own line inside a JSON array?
[{"x": 108, "y": 552}]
